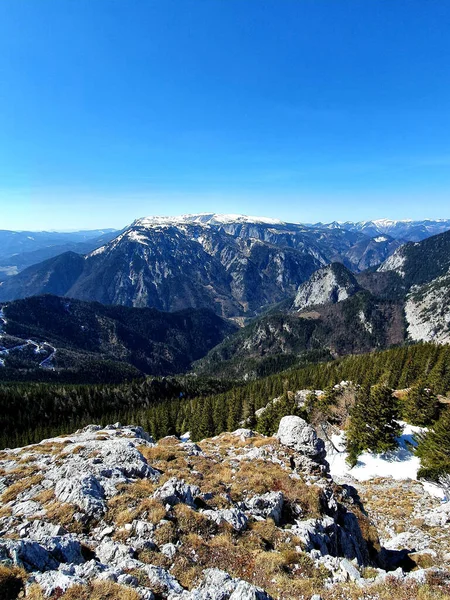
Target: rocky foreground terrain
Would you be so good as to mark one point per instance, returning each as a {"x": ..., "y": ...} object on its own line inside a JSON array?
[{"x": 107, "y": 513}]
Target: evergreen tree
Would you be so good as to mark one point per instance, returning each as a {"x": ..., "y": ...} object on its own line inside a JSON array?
[
  {"x": 421, "y": 407},
  {"x": 250, "y": 417},
  {"x": 372, "y": 424},
  {"x": 434, "y": 451}
]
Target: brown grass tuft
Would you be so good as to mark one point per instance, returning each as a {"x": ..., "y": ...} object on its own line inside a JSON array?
[
  {"x": 20, "y": 486},
  {"x": 12, "y": 580}
]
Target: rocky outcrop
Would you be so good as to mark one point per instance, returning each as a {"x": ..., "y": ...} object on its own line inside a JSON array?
[
  {"x": 328, "y": 285},
  {"x": 108, "y": 504},
  {"x": 218, "y": 585},
  {"x": 427, "y": 311}
]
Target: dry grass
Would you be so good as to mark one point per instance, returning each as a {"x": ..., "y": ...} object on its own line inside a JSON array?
[
  {"x": 34, "y": 592},
  {"x": 45, "y": 497},
  {"x": 165, "y": 533},
  {"x": 22, "y": 471},
  {"x": 19, "y": 487},
  {"x": 125, "y": 508},
  {"x": 62, "y": 514},
  {"x": 187, "y": 573},
  {"x": 12, "y": 581},
  {"x": 5, "y": 511},
  {"x": 100, "y": 590},
  {"x": 190, "y": 521},
  {"x": 391, "y": 589},
  {"x": 53, "y": 448}
]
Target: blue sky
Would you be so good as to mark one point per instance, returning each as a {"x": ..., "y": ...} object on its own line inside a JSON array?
[{"x": 304, "y": 110}]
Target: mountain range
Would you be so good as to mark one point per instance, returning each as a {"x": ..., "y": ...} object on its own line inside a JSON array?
[
  {"x": 21, "y": 249},
  {"x": 407, "y": 299},
  {"x": 165, "y": 295},
  {"x": 404, "y": 230},
  {"x": 236, "y": 266}
]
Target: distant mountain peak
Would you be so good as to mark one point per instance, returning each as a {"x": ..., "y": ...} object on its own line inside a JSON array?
[{"x": 202, "y": 219}]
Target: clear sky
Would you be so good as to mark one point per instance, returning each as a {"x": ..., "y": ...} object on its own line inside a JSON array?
[{"x": 304, "y": 110}]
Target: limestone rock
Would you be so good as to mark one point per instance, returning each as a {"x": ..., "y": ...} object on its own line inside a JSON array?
[
  {"x": 233, "y": 516},
  {"x": 175, "y": 491},
  {"x": 297, "y": 434},
  {"x": 268, "y": 506}
]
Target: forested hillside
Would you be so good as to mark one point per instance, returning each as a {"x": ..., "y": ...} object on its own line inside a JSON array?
[
  {"x": 60, "y": 339},
  {"x": 280, "y": 340},
  {"x": 29, "y": 412}
]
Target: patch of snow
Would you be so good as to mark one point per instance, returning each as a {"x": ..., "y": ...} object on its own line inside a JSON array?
[
  {"x": 98, "y": 251},
  {"x": 135, "y": 236},
  {"x": 399, "y": 464},
  {"x": 388, "y": 223}
]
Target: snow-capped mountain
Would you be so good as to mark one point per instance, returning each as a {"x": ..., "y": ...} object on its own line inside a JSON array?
[
  {"x": 406, "y": 230},
  {"x": 204, "y": 219},
  {"x": 235, "y": 265}
]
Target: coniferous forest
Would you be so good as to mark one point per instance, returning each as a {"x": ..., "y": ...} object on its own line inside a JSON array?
[{"x": 30, "y": 412}]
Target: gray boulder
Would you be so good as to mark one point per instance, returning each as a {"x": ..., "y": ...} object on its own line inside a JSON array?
[
  {"x": 175, "y": 491},
  {"x": 163, "y": 579},
  {"x": 350, "y": 570},
  {"x": 109, "y": 552},
  {"x": 85, "y": 491},
  {"x": 297, "y": 434},
  {"x": 267, "y": 506},
  {"x": 51, "y": 581},
  {"x": 219, "y": 585},
  {"x": 39, "y": 530},
  {"x": 233, "y": 516},
  {"x": 27, "y": 554}
]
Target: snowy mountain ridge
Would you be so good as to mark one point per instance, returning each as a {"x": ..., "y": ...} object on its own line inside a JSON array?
[
  {"x": 400, "y": 229},
  {"x": 202, "y": 219}
]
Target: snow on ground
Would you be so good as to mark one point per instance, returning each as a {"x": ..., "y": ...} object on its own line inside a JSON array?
[{"x": 399, "y": 464}]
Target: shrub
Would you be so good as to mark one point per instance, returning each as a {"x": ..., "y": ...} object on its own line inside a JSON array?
[{"x": 11, "y": 582}]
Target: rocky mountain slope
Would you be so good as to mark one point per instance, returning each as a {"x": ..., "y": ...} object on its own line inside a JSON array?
[
  {"x": 49, "y": 332},
  {"x": 422, "y": 273},
  {"x": 427, "y": 311},
  {"x": 328, "y": 285},
  {"x": 233, "y": 265},
  {"x": 336, "y": 311},
  {"x": 237, "y": 517},
  {"x": 280, "y": 340}
]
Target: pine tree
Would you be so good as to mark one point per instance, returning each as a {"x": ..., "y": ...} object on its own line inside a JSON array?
[
  {"x": 434, "y": 451},
  {"x": 372, "y": 424},
  {"x": 421, "y": 407}
]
